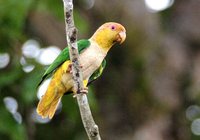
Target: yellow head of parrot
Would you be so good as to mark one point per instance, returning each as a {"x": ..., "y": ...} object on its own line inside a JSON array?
[{"x": 109, "y": 33}]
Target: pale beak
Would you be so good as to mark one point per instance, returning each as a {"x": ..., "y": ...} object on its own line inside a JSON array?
[{"x": 122, "y": 37}]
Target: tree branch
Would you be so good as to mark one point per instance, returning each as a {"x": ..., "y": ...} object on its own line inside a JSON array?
[{"x": 71, "y": 36}]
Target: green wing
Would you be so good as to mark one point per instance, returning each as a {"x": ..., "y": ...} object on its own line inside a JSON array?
[
  {"x": 62, "y": 57},
  {"x": 97, "y": 73}
]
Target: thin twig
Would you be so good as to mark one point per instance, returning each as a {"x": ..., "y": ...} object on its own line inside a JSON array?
[{"x": 71, "y": 36}]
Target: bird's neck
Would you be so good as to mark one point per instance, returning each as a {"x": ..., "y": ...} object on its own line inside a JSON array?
[{"x": 105, "y": 45}]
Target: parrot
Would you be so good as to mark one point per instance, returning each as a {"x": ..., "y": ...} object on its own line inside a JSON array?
[{"x": 92, "y": 53}]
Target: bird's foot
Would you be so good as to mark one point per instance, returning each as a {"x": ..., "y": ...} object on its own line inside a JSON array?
[
  {"x": 83, "y": 91},
  {"x": 69, "y": 69}
]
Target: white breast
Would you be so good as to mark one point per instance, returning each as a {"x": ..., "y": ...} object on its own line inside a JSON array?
[{"x": 91, "y": 59}]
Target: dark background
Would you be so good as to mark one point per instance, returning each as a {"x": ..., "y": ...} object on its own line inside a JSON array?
[{"x": 150, "y": 89}]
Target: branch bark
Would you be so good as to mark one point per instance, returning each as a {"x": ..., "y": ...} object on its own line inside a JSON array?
[{"x": 71, "y": 36}]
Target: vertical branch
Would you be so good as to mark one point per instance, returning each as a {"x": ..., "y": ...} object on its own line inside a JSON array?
[{"x": 71, "y": 36}]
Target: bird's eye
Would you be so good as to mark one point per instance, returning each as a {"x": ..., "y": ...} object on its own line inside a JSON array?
[{"x": 113, "y": 27}]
